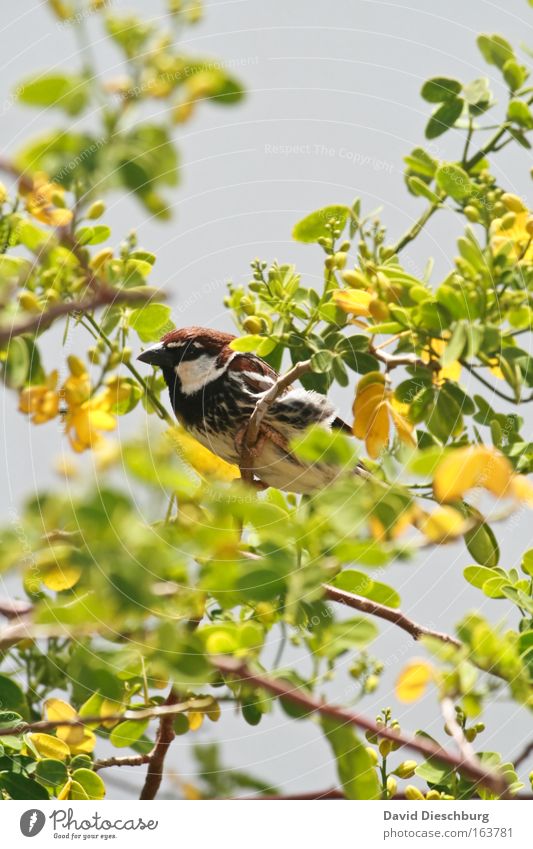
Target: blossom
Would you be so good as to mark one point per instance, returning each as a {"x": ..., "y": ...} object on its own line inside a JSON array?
[
  {"x": 41, "y": 402},
  {"x": 41, "y": 202}
]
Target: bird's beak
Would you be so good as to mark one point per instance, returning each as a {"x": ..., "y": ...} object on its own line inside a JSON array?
[{"x": 157, "y": 355}]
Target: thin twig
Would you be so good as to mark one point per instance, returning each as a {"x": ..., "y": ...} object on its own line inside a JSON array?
[
  {"x": 261, "y": 408},
  {"x": 465, "y": 749},
  {"x": 157, "y": 756},
  {"x": 524, "y": 755},
  {"x": 391, "y": 614},
  {"x": 413, "y": 231},
  {"x": 13, "y": 608},
  {"x": 132, "y": 760},
  {"x": 494, "y": 781},
  {"x": 104, "y": 296},
  {"x": 394, "y": 360},
  {"x": 492, "y": 388}
]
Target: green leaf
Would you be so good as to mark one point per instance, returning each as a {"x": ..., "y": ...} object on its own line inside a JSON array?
[
  {"x": 478, "y": 95},
  {"x": 65, "y": 91},
  {"x": 440, "y": 89},
  {"x": 93, "y": 235},
  {"x": 444, "y": 118},
  {"x": 421, "y": 163},
  {"x": 13, "y": 270},
  {"x": 11, "y": 694},
  {"x": 495, "y": 49},
  {"x": 356, "y": 772},
  {"x": 477, "y": 575},
  {"x": 519, "y": 113},
  {"x": 434, "y": 772},
  {"x": 20, "y": 787},
  {"x": 150, "y": 321},
  {"x": 91, "y": 782},
  {"x": 321, "y": 361},
  {"x": 482, "y": 545},
  {"x": 51, "y": 771},
  {"x": 421, "y": 189},
  {"x": 361, "y": 584},
  {"x": 514, "y": 74},
  {"x": 527, "y": 562},
  {"x": 315, "y": 226},
  {"x": 454, "y": 181},
  {"x": 127, "y": 732},
  {"x": 17, "y": 364}
]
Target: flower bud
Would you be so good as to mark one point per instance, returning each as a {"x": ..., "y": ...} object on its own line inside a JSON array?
[
  {"x": 433, "y": 795},
  {"x": 372, "y": 754},
  {"x": 99, "y": 259},
  {"x": 371, "y": 683},
  {"x": 513, "y": 202},
  {"x": 3, "y": 193},
  {"x": 252, "y": 324},
  {"x": 76, "y": 366},
  {"x": 93, "y": 355},
  {"x": 96, "y": 210},
  {"x": 529, "y": 226},
  {"x": 472, "y": 213},
  {"x": 385, "y": 748},
  {"x": 406, "y": 769},
  {"x": 470, "y": 734},
  {"x": 29, "y": 301},
  {"x": 340, "y": 259},
  {"x": 508, "y": 220},
  {"x": 354, "y": 279},
  {"x": 392, "y": 785},
  {"x": 413, "y": 793}
]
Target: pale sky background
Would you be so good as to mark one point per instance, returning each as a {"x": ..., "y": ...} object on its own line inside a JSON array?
[{"x": 332, "y": 106}]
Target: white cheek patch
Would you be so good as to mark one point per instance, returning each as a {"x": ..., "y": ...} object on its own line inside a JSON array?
[{"x": 194, "y": 375}]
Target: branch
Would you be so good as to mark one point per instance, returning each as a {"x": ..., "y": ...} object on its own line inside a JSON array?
[
  {"x": 261, "y": 408},
  {"x": 12, "y": 609},
  {"x": 104, "y": 296},
  {"x": 524, "y": 755},
  {"x": 389, "y": 613},
  {"x": 465, "y": 749},
  {"x": 166, "y": 711},
  {"x": 394, "y": 360},
  {"x": 132, "y": 760},
  {"x": 413, "y": 231},
  {"x": 492, "y": 388},
  {"x": 156, "y": 758},
  {"x": 283, "y": 689}
]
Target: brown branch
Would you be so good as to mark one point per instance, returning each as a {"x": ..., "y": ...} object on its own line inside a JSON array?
[
  {"x": 494, "y": 781},
  {"x": 391, "y": 614},
  {"x": 13, "y": 608},
  {"x": 261, "y": 408},
  {"x": 132, "y": 760},
  {"x": 465, "y": 748},
  {"x": 104, "y": 296},
  {"x": 394, "y": 360},
  {"x": 165, "y": 711},
  {"x": 331, "y": 793},
  {"x": 524, "y": 755},
  {"x": 157, "y": 756}
]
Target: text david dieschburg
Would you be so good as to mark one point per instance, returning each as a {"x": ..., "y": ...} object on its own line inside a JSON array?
[{"x": 436, "y": 815}]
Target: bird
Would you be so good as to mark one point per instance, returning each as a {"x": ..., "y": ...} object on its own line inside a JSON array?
[{"x": 214, "y": 390}]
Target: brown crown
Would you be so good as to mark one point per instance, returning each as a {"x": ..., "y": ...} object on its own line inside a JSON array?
[{"x": 212, "y": 340}]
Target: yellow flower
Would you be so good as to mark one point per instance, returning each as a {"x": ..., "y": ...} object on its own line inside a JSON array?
[
  {"x": 474, "y": 466},
  {"x": 518, "y": 236},
  {"x": 449, "y": 372},
  {"x": 84, "y": 422},
  {"x": 355, "y": 301},
  {"x": 373, "y": 405},
  {"x": 41, "y": 402},
  {"x": 41, "y": 202}
]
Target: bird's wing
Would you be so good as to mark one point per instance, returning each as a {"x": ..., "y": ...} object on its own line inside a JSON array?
[{"x": 257, "y": 376}]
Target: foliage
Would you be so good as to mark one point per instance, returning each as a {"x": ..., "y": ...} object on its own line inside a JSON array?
[{"x": 208, "y": 567}]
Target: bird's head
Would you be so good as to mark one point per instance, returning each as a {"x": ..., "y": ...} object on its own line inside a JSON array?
[{"x": 195, "y": 355}]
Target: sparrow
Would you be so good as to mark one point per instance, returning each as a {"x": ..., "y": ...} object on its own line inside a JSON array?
[{"x": 213, "y": 391}]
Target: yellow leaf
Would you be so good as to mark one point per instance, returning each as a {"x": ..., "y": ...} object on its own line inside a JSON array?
[
  {"x": 195, "y": 719},
  {"x": 191, "y": 792},
  {"x": 50, "y": 747},
  {"x": 522, "y": 489},
  {"x": 450, "y": 372},
  {"x": 355, "y": 301},
  {"x": 203, "y": 461},
  {"x": 443, "y": 525},
  {"x": 65, "y": 790},
  {"x": 61, "y": 577},
  {"x": 77, "y": 792},
  {"x": 466, "y": 468},
  {"x": 401, "y": 422},
  {"x": 377, "y": 436},
  {"x": 413, "y": 680},
  {"x": 110, "y": 708},
  {"x": 83, "y": 746},
  {"x": 57, "y": 709}
]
